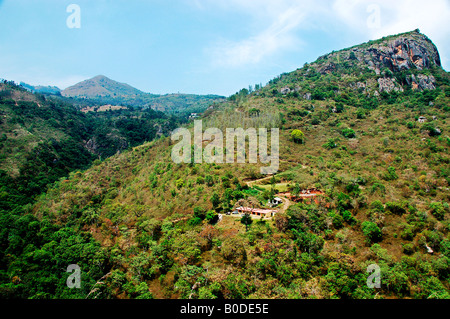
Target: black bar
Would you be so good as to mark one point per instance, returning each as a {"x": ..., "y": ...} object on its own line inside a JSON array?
[{"x": 260, "y": 308}]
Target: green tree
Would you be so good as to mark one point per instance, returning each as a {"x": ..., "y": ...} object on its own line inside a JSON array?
[
  {"x": 298, "y": 136},
  {"x": 331, "y": 143},
  {"x": 211, "y": 217},
  {"x": 371, "y": 231},
  {"x": 348, "y": 133},
  {"x": 215, "y": 200},
  {"x": 246, "y": 220}
]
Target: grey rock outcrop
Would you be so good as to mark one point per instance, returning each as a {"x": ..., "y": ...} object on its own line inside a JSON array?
[
  {"x": 388, "y": 85},
  {"x": 421, "y": 82},
  {"x": 415, "y": 51}
]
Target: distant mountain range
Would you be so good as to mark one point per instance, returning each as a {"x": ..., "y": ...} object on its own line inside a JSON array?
[
  {"x": 41, "y": 89},
  {"x": 101, "y": 90}
]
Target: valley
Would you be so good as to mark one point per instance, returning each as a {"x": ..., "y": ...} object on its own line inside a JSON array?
[{"x": 365, "y": 128}]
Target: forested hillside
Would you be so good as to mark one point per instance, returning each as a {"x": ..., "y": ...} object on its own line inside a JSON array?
[
  {"x": 43, "y": 139},
  {"x": 367, "y": 126}
]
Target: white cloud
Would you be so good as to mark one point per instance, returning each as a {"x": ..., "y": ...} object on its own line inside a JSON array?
[
  {"x": 277, "y": 36},
  {"x": 281, "y": 18},
  {"x": 432, "y": 18},
  {"x": 286, "y": 18}
]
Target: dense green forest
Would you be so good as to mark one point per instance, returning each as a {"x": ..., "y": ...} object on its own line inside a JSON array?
[{"x": 43, "y": 139}]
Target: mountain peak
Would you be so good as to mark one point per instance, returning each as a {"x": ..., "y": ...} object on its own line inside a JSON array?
[
  {"x": 404, "y": 51},
  {"x": 100, "y": 86},
  {"x": 392, "y": 63},
  {"x": 101, "y": 77}
]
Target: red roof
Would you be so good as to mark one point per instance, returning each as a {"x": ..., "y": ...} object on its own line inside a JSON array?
[{"x": 256, "y": 210}]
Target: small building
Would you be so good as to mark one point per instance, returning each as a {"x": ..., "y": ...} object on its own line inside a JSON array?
[
  {"x": 274, "y": 202},
  {"x": 267, "y": 213},
  {"x": 306, "y": 194},
  {"x": 422, "y": 119},
  {"x": 193, "y": 116}
]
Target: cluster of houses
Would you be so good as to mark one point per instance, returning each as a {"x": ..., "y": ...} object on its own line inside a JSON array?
[
  {"x": 259, "y": 212},
  {"x": 265, "y": 213},
  {"x": 307, "y": 195},
  {"x": 304, "y": 194}
]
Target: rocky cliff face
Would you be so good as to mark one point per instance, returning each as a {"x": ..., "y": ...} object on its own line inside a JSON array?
[
  {"x": 391, "y": 64},
  {"x": 413, "y": 50}
]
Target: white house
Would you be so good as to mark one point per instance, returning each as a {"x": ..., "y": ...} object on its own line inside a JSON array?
[
  {"x": 274, "y": 202},
  {"x": 422, "y": 119},
  {"x": 267, "y": 213}
]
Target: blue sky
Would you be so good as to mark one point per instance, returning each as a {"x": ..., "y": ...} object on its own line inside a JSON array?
[{"x": 197, "y": 46}]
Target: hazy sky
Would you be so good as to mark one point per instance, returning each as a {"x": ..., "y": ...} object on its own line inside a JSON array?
[{"x": 196, "y": 46}]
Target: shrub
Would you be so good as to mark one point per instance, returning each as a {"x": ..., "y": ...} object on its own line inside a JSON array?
[
  {"x": 199, "y": 212},
  {"x": 215, "y": 200},
  {"x": 348, "y": 133},
  {"x": 377, "y": 206},
  {"x": 371, "y": 231},
  {"x": 391, "y": 174},
  {"x": 211, "y": 217},
  {"x": 432, "y": 129},
  {"x": 339, "y": 107},
  {"x": 378, "y": 186},
  {"x": 209, "y": 180},
  {"x": 398, "y": 208},
  {"x": 194, "y": 221},
  {"x": 336, "y": 219},
  {"x": 330, "y": 144},
  {"x": 315, "y": 121},
  {"x": 233, "y": 251},
  {"x": 353, "y": 189},
  {"x": 408, "y": 249},
  {"x": 439, "y": 209},
  {"x": 348, "y": 217},
  {"x": 407, "y": 233},
  {"x": 297, "y": 136},
  {"x": 361, "y": 114},
  {"x": 179, "y": 183}
]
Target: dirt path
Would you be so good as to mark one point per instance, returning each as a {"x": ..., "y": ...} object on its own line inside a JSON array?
[
  {"x": 286, "y": 201},
  {"x": 286, "y": 204},
  {"x": 256, "y": 181}
]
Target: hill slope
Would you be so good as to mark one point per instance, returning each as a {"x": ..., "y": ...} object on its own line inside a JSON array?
[
  {"x": 384, "y": 174},
  {"x": 100, "y": 86},
  {"x": 43, "y": 138}
]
